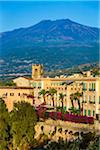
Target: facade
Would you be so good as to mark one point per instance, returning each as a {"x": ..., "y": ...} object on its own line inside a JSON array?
[
  {"x": 87, "y": 85},
  {"x": 12, "y": 95},
  {"x": 91, "y": 97}
]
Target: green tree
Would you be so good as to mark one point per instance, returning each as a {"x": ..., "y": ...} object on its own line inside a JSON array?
[
  {"x": 23, "y": 118},
  {"x": 76, "y": 96},
  {"x": 61, "y": 97},
  {"x": 73, "y": 110},
  {"x": 9, "y": 83},
  {"x": 4, "y": 126},
  {"x": 52, "y": 92},
  {"x": 43, "y": 92},
  {"x": 1, "y": 83},
  {"x": 72, "y": 97}
]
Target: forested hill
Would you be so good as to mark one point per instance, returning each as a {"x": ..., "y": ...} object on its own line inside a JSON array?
[{"x": 57, "y": 44}]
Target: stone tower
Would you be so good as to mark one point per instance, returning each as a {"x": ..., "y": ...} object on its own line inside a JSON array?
[{"x": 37, "y": 71}]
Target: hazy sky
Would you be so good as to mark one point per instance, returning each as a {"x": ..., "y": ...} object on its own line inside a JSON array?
[{"x": 18, "y": 14}]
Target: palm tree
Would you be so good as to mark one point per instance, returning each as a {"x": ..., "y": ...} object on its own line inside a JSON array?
[
  {"x": 72, "y": 97},
  {"x": 52, "y": 92},
  {"x": 76, "y": 96},
  {"x": 43, "y": 92},
  {"x": 61, "y": 97}
]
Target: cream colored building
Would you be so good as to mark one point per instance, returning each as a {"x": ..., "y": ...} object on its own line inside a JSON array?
[
  {"x": 23, "y": 81},
  {"x": 12, "y": 95},
  {"x": 89, "y": 86}
]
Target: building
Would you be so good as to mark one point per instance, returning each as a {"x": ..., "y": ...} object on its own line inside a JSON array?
[
  {"x": 23, "y": 81},
  {"x": 12, "y": 95},
  {"x": 88, "y": 85},
  {"x": 37, "y": 71}
]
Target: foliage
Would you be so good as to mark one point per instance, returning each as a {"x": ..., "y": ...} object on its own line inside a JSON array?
[
  {"x": 61, "y": 98},
  {"x": 7, "y": 83},
  {"x": 4, "y": 126},
  {"x": 74, "y": 110},
  {"x": 23, "y": 118},
  {"x": 94, "y": 144},
  {"x": 52, "y": 92},
  {"x": 96, "y": 71},
  {"x": 66, "y": 117},
  {"x": 76, "y": 96},
  {"x": 43, "y": 92},
  {"x": 91, "y": 143}
]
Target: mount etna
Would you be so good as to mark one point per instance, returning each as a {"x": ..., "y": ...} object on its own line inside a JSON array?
[{"x": 57, "y": 44}]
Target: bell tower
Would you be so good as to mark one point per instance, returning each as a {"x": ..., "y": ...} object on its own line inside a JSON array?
[{"x": 37, "y": 71}]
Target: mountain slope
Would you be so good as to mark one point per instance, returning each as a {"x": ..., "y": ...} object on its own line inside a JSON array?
[
  {"x": 56, "y": 44},
  {"x": 63, "y": 30}
]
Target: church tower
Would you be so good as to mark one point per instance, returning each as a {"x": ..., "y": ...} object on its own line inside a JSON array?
[{"x": 37, "y": 71}]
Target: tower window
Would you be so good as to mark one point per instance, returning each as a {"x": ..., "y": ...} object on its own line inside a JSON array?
[{"x": 11, "y": 94}]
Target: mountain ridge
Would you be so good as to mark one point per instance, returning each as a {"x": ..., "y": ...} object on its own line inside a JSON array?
[
  {"x": 58, "y": 30},
  {"x": 56, "y": 44},
  {"x": 44, "y": 21}
]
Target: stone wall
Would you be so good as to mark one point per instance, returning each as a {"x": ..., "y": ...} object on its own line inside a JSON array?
[{"x": 71, "y": 128}]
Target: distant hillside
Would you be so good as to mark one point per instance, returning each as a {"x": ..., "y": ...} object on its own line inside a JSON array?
[
  {"x": 51, "y": 31},
  {"x": 56, "y": 44}
]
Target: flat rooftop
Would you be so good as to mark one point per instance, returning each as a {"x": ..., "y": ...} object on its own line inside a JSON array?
[{"x": 14, "y": 87}]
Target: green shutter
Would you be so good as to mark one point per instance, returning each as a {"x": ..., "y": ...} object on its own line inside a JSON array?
[
  {"x": 89, "y": 113},
  {"x": 94, "y": 86},
  {"x": 85, "y": 112},
  {"x": 93, "y": 112},
  {"x": 64, "y": 108}
]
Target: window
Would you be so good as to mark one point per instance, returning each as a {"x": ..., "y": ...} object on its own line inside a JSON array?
[
  {"x": 99, "y": 99},
  {"x": 84, "y": 86},
  {"x": 85, "y": 112},
  {"x": 93, "y": 113},
  {"x": 18, "y": 94},
  {"x": 11, "y": 94},
  {"x": 6, "y": 94},
  {"x": 84, "y": 97},
  {"x": 89, "y": 86},
  {"x": 34, "y": 84},
  {"x": 89, "y": 113},
  {"x": 93, "y": 86},
  {"x": 39, "y": 84}
]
